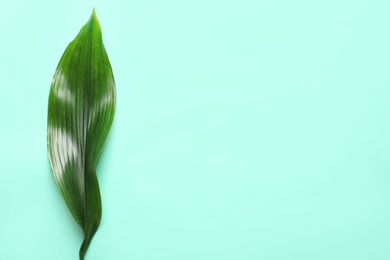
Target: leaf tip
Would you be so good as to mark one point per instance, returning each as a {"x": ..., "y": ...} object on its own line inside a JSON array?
[
  {"x": 94, "y": 12},
  {"x": 93, "y": 22}
]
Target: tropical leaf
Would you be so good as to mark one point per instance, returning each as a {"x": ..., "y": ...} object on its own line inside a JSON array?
[{"x": 81, "y": 111}]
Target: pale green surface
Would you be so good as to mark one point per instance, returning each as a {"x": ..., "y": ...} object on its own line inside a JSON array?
[{"x": 245, "y": 130}]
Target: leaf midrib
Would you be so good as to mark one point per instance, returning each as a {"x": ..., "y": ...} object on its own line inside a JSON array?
[{"x": 89, "y": 37}]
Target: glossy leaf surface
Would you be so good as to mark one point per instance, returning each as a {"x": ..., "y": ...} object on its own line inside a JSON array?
[{"x": 80, "y": 114}]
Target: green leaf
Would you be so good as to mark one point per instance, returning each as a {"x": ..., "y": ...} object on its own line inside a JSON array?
[{"x": 81, "y": 111}]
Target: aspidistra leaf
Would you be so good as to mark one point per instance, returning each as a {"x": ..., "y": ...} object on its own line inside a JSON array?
[{"x": 81, "y": 111}]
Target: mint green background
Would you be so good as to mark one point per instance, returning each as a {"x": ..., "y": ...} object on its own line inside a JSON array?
[{"x": 245, "y": 130}]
